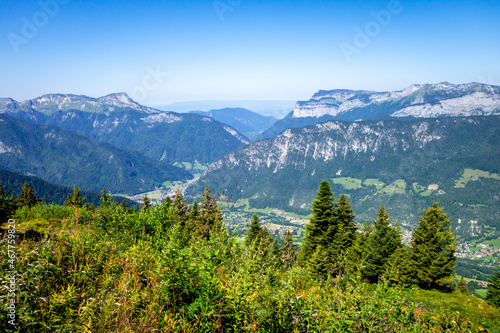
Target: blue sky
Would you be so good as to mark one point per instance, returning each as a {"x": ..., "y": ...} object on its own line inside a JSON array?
[{"x": 170, "y": 51}]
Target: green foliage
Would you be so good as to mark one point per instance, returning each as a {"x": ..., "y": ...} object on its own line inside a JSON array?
[
  {"x": 289, "y": 255},
  {"x": 137, "y": 271},
  {"x": 323, "y": 220},
  {"x": 493, "y": 292},
  {"x": 462, "y": 286},
  {"x": 27, "y": 197},
  {"x": 75, "y": 199},
  {"x": 384, "y": 241},
  {"x": 254, "y": 231},
  {"x": 433, "y": 250},
  {"x": 7, "y": 206},
  {"x": 146, "y": 203}
]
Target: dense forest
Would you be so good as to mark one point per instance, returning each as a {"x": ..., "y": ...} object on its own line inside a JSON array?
[{"x": 174, "y": 267}]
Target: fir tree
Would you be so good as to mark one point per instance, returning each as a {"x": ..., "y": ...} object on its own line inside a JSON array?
[
  {"x": 433, "y": 250},
  {"x": 146, "y": 203},
  {"x": 319, "y": 264},
  {"x": 254, "y": 232},
  {"x": 357, "y": 252},
  {"x": 493, "y": 292},
  {"x": 397, "y": 271},
  {"x": 27, "y": 197},
  {"x": 75, "y": 199},
  {"x": 462, "y": 286},
  {"x": 383, "y": 242},
  {"x": 210, "y": 214},
  {"x": 289, "y": 256},
  {"x": 105, "y": 198},
  {"x": 125, "y": 207},
  {"x": 346, "y": 219},
  {"x": 7, "y": 206},
  {"x": 322, "y": 223}
]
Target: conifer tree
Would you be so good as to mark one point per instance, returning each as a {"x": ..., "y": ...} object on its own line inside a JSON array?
[
  {"x": 462, "y": 286},
  {"x": 323, "y": 220},
  {"x": 346, "y": 219},
  {"x": 383, "y": 242},
  {"x": 289, "y": 256},
  {"x": 194, "y": 213},
  {"x": 125, "y": 206},
  {"x": 7, "y": 206},
  {"x": 27, "y": 197},
  {"x": 75, "y": 199},
  {"x": 146, "y": 203},
  {"x": 105, "y": 198},
  {"x": 493, "y": 292},
  {"x": 433, "y": 250},
  {"x": 357, "y": 252},
  {"x": 254, "y": 232},
  {"x": 397, "y": 271},
  {"x": 319, "y": 263},
  {"x": 210, "y": 214}
]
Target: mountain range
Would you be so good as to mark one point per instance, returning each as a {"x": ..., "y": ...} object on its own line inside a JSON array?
[
  {"x": 404, "y": 164},
  {"x": 66, "y": 158},
  {"x": 50, "y": 193},
  {"x": 417, "y": 101},
  {"x": 247, "y": 122},
  {"x": 116, "y": 119}
]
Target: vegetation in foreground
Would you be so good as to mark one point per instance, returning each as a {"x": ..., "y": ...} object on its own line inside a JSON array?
[{"x": 174, "y": 268}]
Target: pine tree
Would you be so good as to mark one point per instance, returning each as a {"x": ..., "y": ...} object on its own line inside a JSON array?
[
  {"x": 7, "y": 206},
  {"x": 322, "y": 223},
  {"x": 383, "y": 242},
  {"x": 462, "y": 286},
  {"x": 289, "y": 256},
  {"x": 493, "y": 292},
  {"x": 75, "y": 199},
  {"x": 254, "y": 232},
  {"x": 27, "y": 197},
  {"x": 433, "y": 250}
]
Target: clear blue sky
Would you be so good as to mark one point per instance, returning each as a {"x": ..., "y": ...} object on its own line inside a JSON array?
[{"x": 276, "y": 50}]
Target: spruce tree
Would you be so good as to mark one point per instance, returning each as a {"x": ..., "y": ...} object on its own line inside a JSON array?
[
  {"x": 319, "y": 263},
  {"x": 493, "y": 292},
  {"x": 27, "y": 197},
  {"x": 210, "y": 214},
  {"x": 346, "y": 219},
  {"x": 323, "y": 220},
  {"x": 462, "y": 286},
  {"x": 75, "y": 199},
  {"x": 105, "y": 198},
  {"x": 397, "y": 271},
  {"x": 433, "y": 250},
  {"x": 146, "y": 203},
  {"x": 289, "y": 256},
  {"x": 254, "y": 232},
  {"x": 7, "y": 206},
  {"x": 383, "y": 242},
  {"x": 357, "y": 253}
]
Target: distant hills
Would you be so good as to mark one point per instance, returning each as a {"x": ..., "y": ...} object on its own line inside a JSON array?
[
  {"x": 116, "y": 119},
  {"x": 66, "y": 158},
  {"x": 247, "y": 122},
  {"x": 50, "y": 193},
  {"x": 403, "y": 164},
  {"x": 274, "y": 108},
  {"x": 417, "y": 101}
]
